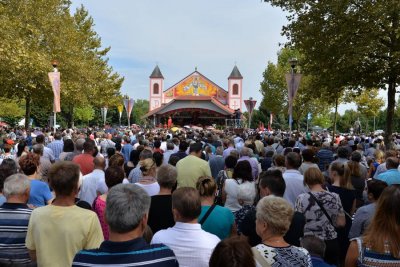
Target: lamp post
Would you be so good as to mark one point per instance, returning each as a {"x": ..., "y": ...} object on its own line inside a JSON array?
[{"x": 293, "y": 82}]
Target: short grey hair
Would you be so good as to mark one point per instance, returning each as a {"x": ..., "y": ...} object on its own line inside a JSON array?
[
  {"x": 146, "y": 154},
  {"x": 38, "y": 149},
  {"x": 16, "y": 184},
  {"x": 166, "y": 176},
  {"x": 247, "y": 193},
  {"x": 126, "y": 205},
  {"x": 219, "y": 151},
  {"x": 245, "y": 151}
]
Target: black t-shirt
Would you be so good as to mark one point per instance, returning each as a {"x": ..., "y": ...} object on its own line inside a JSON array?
[
  {"x": 160, "y": 213},
  {"x": 293, "y": 235}
]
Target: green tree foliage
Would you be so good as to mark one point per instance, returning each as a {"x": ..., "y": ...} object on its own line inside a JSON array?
[
  {"x": 84, "y": 114},
  {"x": 348, "y": 45},
  {"x": 369, "y": 103},
  {"x": 34, "y": 32},
  {"x": 140, "y": 108},
  {"x": 275, "y": 92}
]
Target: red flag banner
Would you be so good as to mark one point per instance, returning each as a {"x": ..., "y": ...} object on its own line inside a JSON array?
[{"x": 54, "y": 78}]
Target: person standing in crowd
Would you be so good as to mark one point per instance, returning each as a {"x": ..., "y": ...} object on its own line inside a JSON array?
[
  {"x": 7, "y": 168},
  {"x": 191, "y": 245},
  {"x": 47, "y": 152},
  {"x": 232, "y": 252},
  {"x": 57, "y": 145},
  {"x": 364, "y": 214},
  {"x": 136, "y": 173},
  {"x": 382, "y": 167},
  {"x": 85, "y": 160},
  {"x": 229, "y": 147},
  {"x": 392, "y": 174},
  {"x": 192, "y": 167},
  {"x": 341, "y": 185},
  {"x": 271, "y": 183},
  {"x": 379, "y": 158},
  {"x": 358, "y": 176},
  {"x": 183, "y": 145},
  {"x": 325, "y": 156},
  {"x": 68, "y": 148},
  {"x": 273, "y": 218},
  {"x": 308, "y": 160},
  {"x": 127, "y": 148},
  {"x": 245, "y": 154},
  {"x": 94, "y": 183},
  {"x": 126, "y": 215},
  {"x": 167, "y": 154},
  {"x": 113, "y": 176},
  {"x": 241, "y": 174},
  {"x": 14, "y": 219},
  {"x": 324, "y": 213},
  {"x": 106, "y": 143},
  {"x": 293, "y": 178},
  {"x": 214, "y": 219},
  {"x": 379, "y": 246},
  {"x": 316, "y": 247},
  {"x": 148, "y": 180},
  {"x": 217, "y": 162},
  {"x": 45, "y": 164},
  {"x": 40, "y": 194},
  {"x": 160, "y": 213},
  {"x": 68, "y": 228}
]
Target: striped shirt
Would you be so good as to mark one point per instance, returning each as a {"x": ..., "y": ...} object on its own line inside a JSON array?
[
  {"x": 14, "y": 220},
  {"x": 135, "y": 252},
  {"x": 57, "y": 147}
]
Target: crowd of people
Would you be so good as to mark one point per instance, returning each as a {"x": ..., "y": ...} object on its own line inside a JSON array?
[{"x": 120, "y": 197}]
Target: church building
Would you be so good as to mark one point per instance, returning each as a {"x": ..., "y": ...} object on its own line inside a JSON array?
[{"x": 195, "y": 100}]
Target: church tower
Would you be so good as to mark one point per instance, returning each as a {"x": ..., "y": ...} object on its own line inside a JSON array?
[
  {"x": 156, "y": 88},
  {"x": 235, "y": 89}
]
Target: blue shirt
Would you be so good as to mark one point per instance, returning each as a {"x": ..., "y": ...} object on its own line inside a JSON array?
[
  {"x": 57, "y": 147},
  {"x": 135, "y": 252},
  {"x": 391, "y": 176},
  {"x": 219, "y": 222},
  {"x": 126, "y": 151},
  {"x": 318, "y": 262},
  {"x": 39, "y": 194}
]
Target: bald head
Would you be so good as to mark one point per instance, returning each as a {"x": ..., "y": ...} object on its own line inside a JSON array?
[{"x": 99, "y": 163}]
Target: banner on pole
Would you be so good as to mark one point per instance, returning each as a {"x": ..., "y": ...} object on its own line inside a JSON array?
[
  {"x": 293, "y": 82},
  {"x": 120, "y": 109},
  {"x": 54, "y": 78},
  {"x": 104, "y": 114},
  {"x": 128, "y": 103}
]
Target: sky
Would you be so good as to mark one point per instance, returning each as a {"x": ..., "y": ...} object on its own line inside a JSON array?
[{"x": 180, "y": 35}]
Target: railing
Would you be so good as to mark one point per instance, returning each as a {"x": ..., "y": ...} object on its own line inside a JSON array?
[{"x": 234, "y": 123}]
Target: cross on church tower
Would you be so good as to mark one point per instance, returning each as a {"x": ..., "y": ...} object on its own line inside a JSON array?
[{"x": 235, "y": 105}]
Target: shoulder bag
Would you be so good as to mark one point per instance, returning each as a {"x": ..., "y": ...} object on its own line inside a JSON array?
[{"x": 207, "y": 214}]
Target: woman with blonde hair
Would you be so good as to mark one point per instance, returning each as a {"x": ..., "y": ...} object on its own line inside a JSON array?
[
  {"x": 341, "y": 185},
  {"x": 214, "y": 219},
  {"x": 323, "y": 211},
  {"x": 273, "y": 218},
  {"x": 380, "y": 245},
  {"x": 148, "y": 181}
]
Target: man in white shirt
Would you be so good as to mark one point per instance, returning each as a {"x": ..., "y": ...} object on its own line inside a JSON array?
[
  {"x": 94, "y": 182},
  {"x": 293, "y": 178},
  {"x": 192, "y": 245},
  {"x": 167, "y": 154}
]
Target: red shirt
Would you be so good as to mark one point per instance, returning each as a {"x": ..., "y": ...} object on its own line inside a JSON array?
[{"x": 85, "y": 161}]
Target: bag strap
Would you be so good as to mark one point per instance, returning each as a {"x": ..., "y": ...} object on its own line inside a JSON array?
[
  {"x": 207, "y": 214},
  {"x": 259, "y": 259},
  {"x": 322, "y": 208}
]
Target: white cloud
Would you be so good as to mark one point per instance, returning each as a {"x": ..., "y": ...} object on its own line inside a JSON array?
[{"x": 182, "y": 34}]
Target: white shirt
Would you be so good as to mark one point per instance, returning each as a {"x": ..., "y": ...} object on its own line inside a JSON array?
[
  {"x": 151, "y": 189},
  {"x": 232, "y": 190},
  {"x": 294, "y": 185},
  {"x": 92, "y": 183},
  {"x": 191, "y": 244}
]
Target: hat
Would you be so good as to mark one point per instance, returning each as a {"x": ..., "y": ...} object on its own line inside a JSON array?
[{"x": 10, "y": 142}]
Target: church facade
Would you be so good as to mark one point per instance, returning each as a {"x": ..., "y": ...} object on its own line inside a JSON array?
[{"x": 195, "y": 100}]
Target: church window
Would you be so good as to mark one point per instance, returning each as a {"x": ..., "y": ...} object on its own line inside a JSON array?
[
  {"x": 235, "y": 89},
  {"x": 156, "y": 89}
]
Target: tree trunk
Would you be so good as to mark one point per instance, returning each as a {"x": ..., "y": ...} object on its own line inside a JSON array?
[
  {"x": 335, "y": 119},
  {"x": 390, "y": 111},
  {"x": 28, "y": 101},
  {"x": 70, "y": 117}
]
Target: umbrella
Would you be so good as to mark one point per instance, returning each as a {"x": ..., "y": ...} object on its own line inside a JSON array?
[{"x": 174, "y": 129}]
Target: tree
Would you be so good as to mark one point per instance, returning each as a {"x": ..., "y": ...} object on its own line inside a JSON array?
[
  {"x": 84, "y": 114},
  {"x": 140, "y": 108},
  {"x": 368, "y": 104},
  {"x": 275, "y": 93},
  {"x": 350, "y": 45}
]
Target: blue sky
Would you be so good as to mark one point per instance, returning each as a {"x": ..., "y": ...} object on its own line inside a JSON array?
[{"x": 180, "y": 35}]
